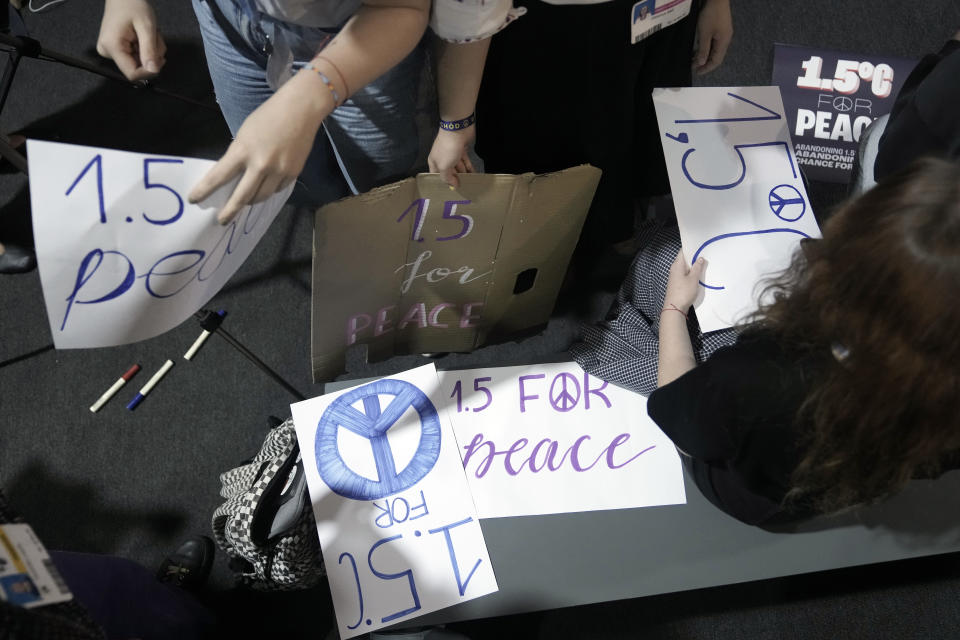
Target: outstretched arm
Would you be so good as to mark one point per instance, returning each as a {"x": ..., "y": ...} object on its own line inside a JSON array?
[{"x": 274, "y": 141}]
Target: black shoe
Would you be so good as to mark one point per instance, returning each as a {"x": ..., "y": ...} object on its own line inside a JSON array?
[
  {"x": 188, "y": 566},
  {"x": 16, "y": 259}
]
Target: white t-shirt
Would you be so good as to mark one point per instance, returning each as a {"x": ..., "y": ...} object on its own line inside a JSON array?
[{"x": 452, "y": 20}]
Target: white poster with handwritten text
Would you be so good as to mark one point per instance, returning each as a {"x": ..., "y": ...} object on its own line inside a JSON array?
[
  {"x": 739, "y": 196},
  {"x": 122, "y": 255},
  {"x": 551, "y": 438},
  {"x": 397, "y": 525}
]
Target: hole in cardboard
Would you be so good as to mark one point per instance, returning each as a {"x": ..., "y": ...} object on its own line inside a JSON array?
[{"x": 525, "y": 280}]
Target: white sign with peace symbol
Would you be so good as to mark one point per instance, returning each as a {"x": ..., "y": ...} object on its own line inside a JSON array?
[
  {"x": 737, "y": 188},
  {"x": 397, "y": 525}
]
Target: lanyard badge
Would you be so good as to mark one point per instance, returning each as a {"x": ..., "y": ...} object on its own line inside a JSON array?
[{"x": 650, "y": 16}]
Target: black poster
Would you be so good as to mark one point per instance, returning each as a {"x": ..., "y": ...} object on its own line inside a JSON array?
[{"x": 830, "y": 97}]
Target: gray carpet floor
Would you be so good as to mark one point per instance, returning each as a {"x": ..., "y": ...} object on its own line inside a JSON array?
[{"x": 134, "y": 484}]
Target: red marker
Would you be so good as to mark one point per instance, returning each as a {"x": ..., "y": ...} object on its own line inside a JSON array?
[{"x": 109, "y": 393}]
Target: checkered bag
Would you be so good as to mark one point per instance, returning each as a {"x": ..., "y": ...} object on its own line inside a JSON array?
[{"x": 266, "y": 524}]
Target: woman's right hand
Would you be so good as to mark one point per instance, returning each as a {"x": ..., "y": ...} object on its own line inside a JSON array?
[
  {"x": 683, "y": 284},
  {"x": 129, "y": 36},
  {"x": 271, "y": 147},
  {"x": 449, "y": 154}
]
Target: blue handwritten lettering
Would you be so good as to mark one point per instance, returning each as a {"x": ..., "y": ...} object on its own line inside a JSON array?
[
  {"x": 461, "y": 586},
  {"x": 408, "y": 574},
  {"x": 173, "y": 256},
  {"x": 356, "y": 577},
  {"x": 83, "y": 276},
  {"x": 390, "y": 507}
]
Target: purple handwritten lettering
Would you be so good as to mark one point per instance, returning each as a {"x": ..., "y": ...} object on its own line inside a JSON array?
[
  {"x": 551, "y": 452},
  {"x": 575, "y": 455},
  {"x": 620, "y": 439},
  {"x": 471, "y": 448},
  {"x": 435, "y": 312},
  {"x": 507, "y": 462},
  {"x": 418, "y": 313},
  {"x": 467, "y": 317},
  {"x": 383, "y": 323},
  {"x": 523, "y": 394},
  {"x": 587, "y": 391},
  {"x": 487, "y": 452},
  {"x": 354, "y": 327}
]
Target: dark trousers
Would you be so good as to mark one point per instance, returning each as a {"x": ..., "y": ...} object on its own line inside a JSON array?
[
  {"x": 128, "y": 601},
  {"x": 563, "y": 86}
]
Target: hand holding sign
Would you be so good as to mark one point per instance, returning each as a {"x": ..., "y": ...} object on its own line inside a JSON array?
[
  {"x": 122, "y": 255},
  {"x": 683, "y": 285},
  {"x": 739, "y": 196},
  {"x": 271, "y": 146}
]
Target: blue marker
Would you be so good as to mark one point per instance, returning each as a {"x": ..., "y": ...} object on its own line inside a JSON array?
[{"x": 150, "y": 385}]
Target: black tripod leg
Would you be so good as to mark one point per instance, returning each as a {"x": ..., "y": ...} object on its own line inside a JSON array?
[
  {"x": 260, "y": 363},
  {"x": 11, "y": 155}
]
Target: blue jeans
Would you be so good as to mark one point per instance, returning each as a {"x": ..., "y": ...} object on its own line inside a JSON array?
[{"x": 370, "y": 140}]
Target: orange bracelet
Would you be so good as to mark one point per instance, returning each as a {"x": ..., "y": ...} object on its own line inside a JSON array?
[
  {"x": 674, "y": 307},
  {"x": 343, "y": 81}
]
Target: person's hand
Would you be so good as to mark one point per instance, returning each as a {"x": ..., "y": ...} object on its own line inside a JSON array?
[
  {"x": 271, "y": 146},
  {"x": 449, "y": 156},
  {"x": 129, "y": 36},
  {"x": 714, "y": 33},
  {"x": 683, "y": 284}
]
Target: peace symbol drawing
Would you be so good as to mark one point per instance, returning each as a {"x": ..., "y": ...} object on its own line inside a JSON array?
[
  {"x": 372, "y": 424},
  {"x": 787, "y": 203},
  {"x": 561, "y": 397}
]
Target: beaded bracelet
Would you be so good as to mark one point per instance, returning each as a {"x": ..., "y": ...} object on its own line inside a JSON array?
[
  {"x": 326, "y": 81},
  {"x": 457, "y": 125},
  {"x": 343, "y": 80}
]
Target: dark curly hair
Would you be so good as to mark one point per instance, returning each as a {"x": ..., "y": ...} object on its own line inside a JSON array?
[{"x": 882, "y": 286}]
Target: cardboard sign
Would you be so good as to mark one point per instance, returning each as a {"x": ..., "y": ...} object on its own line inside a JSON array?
[
  {"x": 122, "y": 255},
  {"x": 551, "y": 438},
  {"x": 417, "y": 266},
  {"x": 397, "y": 525},
  {"x": 831, "y": 97},
  {"x": 739, "y": 197}
]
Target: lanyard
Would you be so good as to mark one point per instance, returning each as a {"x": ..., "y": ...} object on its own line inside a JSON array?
[{"x": 252, "y": 12}]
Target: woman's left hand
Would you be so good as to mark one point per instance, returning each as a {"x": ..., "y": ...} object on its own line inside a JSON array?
[
  {"x": 714, "y": 33},
  {"x": 449, "y": 156},
  {"x": 683, "y": 284},
  {"x": 271, "y": 147}
]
